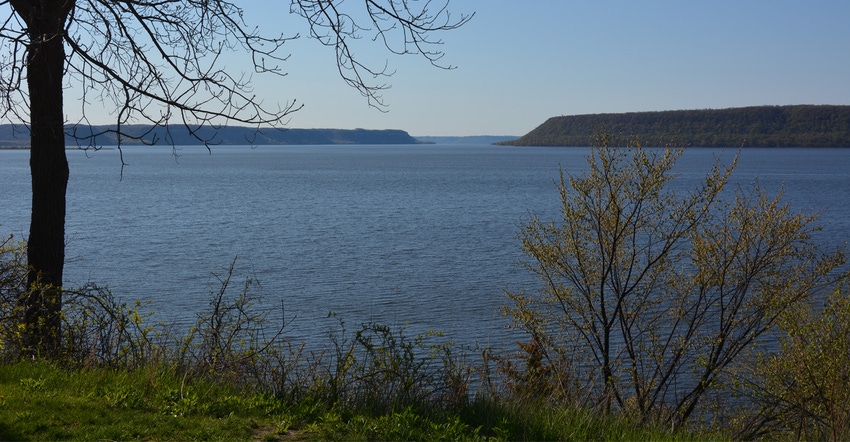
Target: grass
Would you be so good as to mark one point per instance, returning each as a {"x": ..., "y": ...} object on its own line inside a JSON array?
[
  {"x": 40, "y": 401},
  {"x": 43, "y": 401}
]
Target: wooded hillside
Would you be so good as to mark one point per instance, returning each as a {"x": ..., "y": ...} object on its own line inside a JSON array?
[
  {"x": 179, "y": 135},
  {"x": 757, "y": 126}
]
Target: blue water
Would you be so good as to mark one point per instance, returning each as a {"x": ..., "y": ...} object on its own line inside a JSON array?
[{"x": 422, "y": 235}]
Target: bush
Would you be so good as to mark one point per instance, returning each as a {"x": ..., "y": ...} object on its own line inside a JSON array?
[
  {"x": 233, "y": 340},
  {"x": 382, "y": 370},
  {"x": 13, "y": 282},
  {"x": 98, "y": 330}
]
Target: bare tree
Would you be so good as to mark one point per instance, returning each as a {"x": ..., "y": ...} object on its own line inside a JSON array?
[{"x": 157, "y": 62}]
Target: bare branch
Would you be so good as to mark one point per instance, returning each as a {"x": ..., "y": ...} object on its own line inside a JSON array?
[{"x": 403, "y": 26}]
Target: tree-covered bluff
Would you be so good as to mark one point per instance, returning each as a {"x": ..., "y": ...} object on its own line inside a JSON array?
[{"x": 756, "y": 126}]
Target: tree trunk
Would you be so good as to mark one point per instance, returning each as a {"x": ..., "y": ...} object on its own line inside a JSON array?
[{"x": 42, "y": 304}]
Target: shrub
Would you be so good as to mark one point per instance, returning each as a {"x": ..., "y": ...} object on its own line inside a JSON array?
[
  {"x": 233, "y": 340},
  {"x": 382, "y": 370},
  {"x": 13, "y": 281}
]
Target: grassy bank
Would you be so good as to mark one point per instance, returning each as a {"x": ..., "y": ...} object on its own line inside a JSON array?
[{"x": 43, "y": 401}]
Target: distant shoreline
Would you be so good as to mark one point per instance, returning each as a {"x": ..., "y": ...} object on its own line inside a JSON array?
[
  {"x": 66, "y": 148},
  {"x": 179, "y": 135},
  {"x": 297, "y": 137}
]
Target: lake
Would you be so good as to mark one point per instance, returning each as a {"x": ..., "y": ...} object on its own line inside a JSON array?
[{"x": 423, "y": 235}]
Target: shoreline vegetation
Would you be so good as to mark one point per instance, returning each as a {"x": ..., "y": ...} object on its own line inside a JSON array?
[
  {"x": 234, "y": 376},
  {"x": 755, "y": 126}
]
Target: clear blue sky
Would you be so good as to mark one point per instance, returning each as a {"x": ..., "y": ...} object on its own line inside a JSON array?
[{"x": 521, "y": 62}]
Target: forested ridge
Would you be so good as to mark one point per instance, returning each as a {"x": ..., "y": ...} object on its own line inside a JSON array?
[
  {"x": 756, "y": 126},
  {"x": 180, "y": 135}
]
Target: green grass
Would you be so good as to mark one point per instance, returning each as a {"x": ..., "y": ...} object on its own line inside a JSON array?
[
  {"x": 43, "y": 401},
  {"x": 39, "y": 401}
]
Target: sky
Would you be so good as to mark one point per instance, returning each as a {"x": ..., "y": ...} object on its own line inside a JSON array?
[{"x": 518, "y": 63}]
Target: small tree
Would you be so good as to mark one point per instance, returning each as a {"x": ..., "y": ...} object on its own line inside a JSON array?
[{"x": 650, "y": 294}]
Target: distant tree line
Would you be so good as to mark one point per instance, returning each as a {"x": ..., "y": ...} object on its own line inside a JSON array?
[
  {"x": 11, "y": 135},
  {"x": 757, "y": 126}
]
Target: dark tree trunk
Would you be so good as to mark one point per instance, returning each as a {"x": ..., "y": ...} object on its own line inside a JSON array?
[{"x": 42, "y": 304}]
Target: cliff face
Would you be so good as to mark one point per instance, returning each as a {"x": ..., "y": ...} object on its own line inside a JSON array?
[
  {"x": 180, "y": 135},
  {"x": 758, "y": 126}
]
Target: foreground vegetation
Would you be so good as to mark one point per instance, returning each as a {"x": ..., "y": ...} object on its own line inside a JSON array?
[
  {"x": 227, "y": 378},
  {"x": 42, "y": 401},
  {"x": 661, "y": 315}
]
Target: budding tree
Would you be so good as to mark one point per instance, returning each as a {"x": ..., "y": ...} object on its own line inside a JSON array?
[
  {"x": 650, "y": 294},
  {"x": 157, "y": 62}
]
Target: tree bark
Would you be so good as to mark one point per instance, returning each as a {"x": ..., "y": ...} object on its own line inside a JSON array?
[{"x": 41, "y": 305}]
